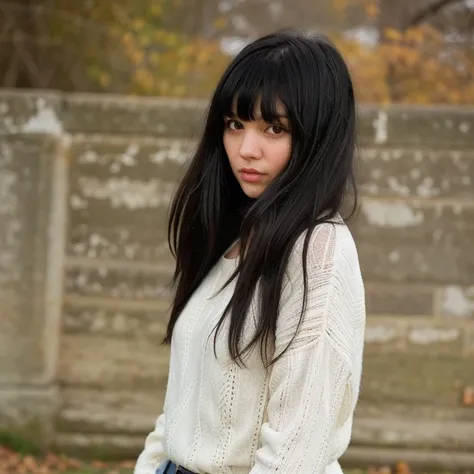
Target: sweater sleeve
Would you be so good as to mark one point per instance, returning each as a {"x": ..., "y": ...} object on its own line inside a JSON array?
[
  {"x": 314, "y": 385},
  {"x": 154, "y": 452}
]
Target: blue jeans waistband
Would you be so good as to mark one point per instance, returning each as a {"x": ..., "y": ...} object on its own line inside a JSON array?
[{"x": 169, "y": 467}]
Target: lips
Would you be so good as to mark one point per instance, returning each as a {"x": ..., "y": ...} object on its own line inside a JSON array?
[{"x": 251, "y": 175}]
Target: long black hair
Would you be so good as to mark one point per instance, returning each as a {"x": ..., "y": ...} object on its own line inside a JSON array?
[{"x": 308, "y": 76}]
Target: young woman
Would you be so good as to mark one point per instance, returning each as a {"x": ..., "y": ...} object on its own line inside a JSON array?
[{"x": 267, "y": 323}]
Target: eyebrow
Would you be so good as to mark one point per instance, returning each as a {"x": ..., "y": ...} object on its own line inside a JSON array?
[{"x": 258, "y": 117}]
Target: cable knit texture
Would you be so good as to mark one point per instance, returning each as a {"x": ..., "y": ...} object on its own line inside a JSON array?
[{"x": 295, "y": 417}]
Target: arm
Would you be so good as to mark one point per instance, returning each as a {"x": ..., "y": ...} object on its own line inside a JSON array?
[
  {"x": 314, "y": 385},
  {"x": 154, "y": 452}
]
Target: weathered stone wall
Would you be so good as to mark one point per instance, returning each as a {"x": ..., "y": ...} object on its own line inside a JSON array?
[
  {"x": 85, "y": 183},
  {"x": 33, "y": 206}
]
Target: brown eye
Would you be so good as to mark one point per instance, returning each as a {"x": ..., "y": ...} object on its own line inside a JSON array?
[
  {"x": 234, "y": 125},
  {"x": 276, "y": 130}
]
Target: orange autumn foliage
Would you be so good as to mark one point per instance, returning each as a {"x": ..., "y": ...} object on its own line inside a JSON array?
[
  {"x": 415, "y": 66},
  {"x": 418, "y": 65}
]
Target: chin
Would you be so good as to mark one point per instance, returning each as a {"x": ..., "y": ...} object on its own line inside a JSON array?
[{"x": 252, "y": 192}]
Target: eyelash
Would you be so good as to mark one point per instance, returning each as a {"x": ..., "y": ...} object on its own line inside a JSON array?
[{"x": 229, "y": 122}]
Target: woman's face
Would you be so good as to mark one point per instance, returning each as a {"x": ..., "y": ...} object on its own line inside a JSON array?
[{"x": 258, "y": 151}]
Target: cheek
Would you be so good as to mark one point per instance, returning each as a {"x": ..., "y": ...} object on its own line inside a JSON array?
[{"x": 280, "y": 157}]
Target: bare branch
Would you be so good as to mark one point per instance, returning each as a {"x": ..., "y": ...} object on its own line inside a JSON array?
[
  {"x": 429, "y": 11},
  {"x": 11, "y": 74}
]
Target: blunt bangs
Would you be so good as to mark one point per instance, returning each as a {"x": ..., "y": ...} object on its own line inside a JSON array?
[{"x": 256, "y": 80}]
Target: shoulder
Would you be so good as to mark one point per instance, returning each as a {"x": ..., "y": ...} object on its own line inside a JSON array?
[
  {"x": 330, "y": 248},
  {"x": 332, "y": 292}
]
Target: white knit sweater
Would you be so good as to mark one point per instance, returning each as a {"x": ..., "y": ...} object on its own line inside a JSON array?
[{"x": 295, "y": 417}]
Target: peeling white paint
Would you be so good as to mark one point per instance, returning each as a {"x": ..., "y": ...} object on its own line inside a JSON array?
[
  {"x": 127, "y": 193},
  {"x": 391, "y": 436},
  {"x": 394, "y": 256},
  {"x": 45, "y": 121},
  {"x": 99, "y": 246},
  {"x": 395, "y": 215},
  {"x": 176, "y": 152},
  {"x": 77, "y": 203},
  {"x": 379, "y": 334},
  {"x": 115, "y": 321},
  {"x": 81, "y": 280},
  {"x": 430, "y": 335},
  {"x": 97, "y": 243},
  {"x": 396, "y": 186},
  {"x": 464, "y": 127},
  {"x": 456, "y": 302},
  {"x": 127, "y": 158},
  {"x": 88, "y": 157},
  {"x": 381, "y": 127},
  {"x": 131, "y": 250},
  {"x": 418, "y": 156},
  {"x": 96, "y": 240},
  {"x": 427, "y": 189}
]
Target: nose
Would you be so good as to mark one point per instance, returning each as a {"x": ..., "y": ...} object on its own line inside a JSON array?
[{"x": 250, "y": 147}]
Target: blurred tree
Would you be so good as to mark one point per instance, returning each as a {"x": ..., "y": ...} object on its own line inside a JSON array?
[
  {"x": 53, "y": 44},
  {"x": 122, "y": 46},
  {"x": 418, "y": 51},
  {"x": 256, "y": 17},
  {"x": 424, "y": 51},
  {"x": 18, "y": 53}
]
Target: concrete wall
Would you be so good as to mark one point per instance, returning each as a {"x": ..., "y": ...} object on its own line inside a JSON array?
[{"x": 85, "y": 182}]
